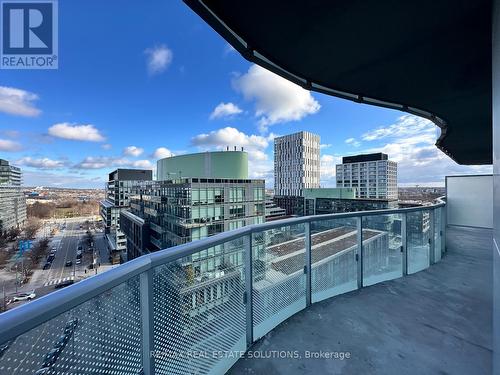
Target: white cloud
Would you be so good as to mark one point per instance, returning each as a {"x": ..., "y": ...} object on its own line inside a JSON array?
[
  {"x": 404, "y": 126},
  {"x": 410, "y": 141},
  {"x": 225, "y": 110},
  {"x": 76, "y": 132},
  {"x": 144, "y": 164},
  {"x": 254, "y": 145},
  {"x": 18, "y": 102},
  {"x": 327, "y": 169},
  {"x": 276, "y": 99},
  {"x": 44, "y": 178},
  {"x": 106, "y": 146},
  {"x": 158, "y": 59},
  {"x": 161, "y": 153},
  {"x": 352, "y": 142},
  {"x": 325, "y": 145},
  {"x": 231, "y": 137},
  {"x": 101, "y": 162},
  {"x": 228, "y": 49},
  {"x": 9, "y": 146},
  {"x": 41, "y": 163},
  {"x": 133, "y": 151}
]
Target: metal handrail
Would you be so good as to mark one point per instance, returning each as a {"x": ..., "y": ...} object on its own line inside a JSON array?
[{"x": 23, "y": 318}]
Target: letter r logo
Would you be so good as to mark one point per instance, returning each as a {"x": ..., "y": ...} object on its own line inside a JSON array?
[{"x": 27, "y": 28}]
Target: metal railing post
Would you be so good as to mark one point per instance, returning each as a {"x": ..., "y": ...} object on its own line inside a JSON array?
[
  {"x": 359, "y": 255},
  {"x": 432, "y": 254},
  {"x": 248, "y": 288},
  {"x": 308, "y": 269},
  {"x": 404, "y": 243},
  {"x": 146, "y": 296}
]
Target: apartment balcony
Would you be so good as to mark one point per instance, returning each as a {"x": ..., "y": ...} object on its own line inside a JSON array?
[{"x": 398, "y": 297}]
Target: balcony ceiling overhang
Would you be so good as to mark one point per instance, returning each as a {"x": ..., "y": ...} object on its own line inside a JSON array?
[{"x": 429, "y": 58}]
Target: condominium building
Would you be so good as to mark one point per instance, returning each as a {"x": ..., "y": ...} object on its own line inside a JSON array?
[
  {"x": 118, "y": 189},
  {"x": 175, "y": 211},
  {"x": 373, "y": 176},
  {"x": 12, "y": 200},
  {"x": 296, "y": 163}
]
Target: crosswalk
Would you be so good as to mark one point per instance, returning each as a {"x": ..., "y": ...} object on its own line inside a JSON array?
[{"x": 57, "y": 281}]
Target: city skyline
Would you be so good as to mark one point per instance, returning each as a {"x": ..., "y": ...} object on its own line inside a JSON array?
[{"x": 69, "y": 127}]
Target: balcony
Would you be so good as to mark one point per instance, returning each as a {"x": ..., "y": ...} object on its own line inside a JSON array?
[
  {"x": 435, "y": 321},
  {"x": 165, "y": 313}
]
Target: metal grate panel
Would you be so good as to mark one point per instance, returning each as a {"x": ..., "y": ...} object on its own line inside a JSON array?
[
  {"x": 437, "y": 234},
  {"x": 333, "y": 257},
  {"x": 102, "y": 335},
  {"x": 418, "y": 233},
  {"x": 198, "y": 311},
  {"x": 279, "y": 283},
  {"x": 382, "y": 256}
]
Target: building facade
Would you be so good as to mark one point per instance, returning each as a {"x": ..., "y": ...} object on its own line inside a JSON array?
[
  {"x": 118, "y": 190},
  {"x": 373, "y": 176},
  {"x": 12, "y": 199},
  {"x": 296, "y": 163},
  {"x": 175, "y": 211}
]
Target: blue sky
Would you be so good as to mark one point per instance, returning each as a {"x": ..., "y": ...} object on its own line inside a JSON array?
[{"x": 143, "y": 80}]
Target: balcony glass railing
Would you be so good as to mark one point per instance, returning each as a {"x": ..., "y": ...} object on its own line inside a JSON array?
[{"x": 197, "y": 307}]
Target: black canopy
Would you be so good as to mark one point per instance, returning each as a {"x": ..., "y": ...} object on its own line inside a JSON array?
[{"x": 431, "y": 58}]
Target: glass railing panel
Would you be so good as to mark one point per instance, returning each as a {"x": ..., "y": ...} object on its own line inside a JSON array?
[
  {"x": 100, "y": 336},
  {"x": 418, "y": 238},
  {"x": 443, "y": 229},
  {"x": 279, "y": 281},
  {"x": 382, "y": 255},
  {"x": 437, "y": 234},
  {"x": 333, "y": 257},
  {"x": 198, "y": 310}
]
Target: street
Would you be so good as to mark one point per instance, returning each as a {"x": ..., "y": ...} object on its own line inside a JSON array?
[{"x": 66, "y": 242}]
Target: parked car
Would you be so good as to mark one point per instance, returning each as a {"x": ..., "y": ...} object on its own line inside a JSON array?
[
  {"x": 43, "y": 371},
  {"x": 80, "y": 248},
  {"x": 4, "y": 347},
  {"x": 79, "y": 260},
  {"x": 64, "y": 284},
  {"x": 71, "y": 326},
  {"x": 50, "y": 258},
  {"x": 69, "y": 263},
  {"x": 79, "y": 256},
  {"x": 54, "y": 249},
  {"x": 61, "y": 342},
  {"x": 51, "y": 357},
  {"x": 47, "y": 265},
  {"x": 24, "y": 296}
]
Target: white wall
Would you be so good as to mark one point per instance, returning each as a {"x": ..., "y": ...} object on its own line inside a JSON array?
[{"x": 470, "y": 200}]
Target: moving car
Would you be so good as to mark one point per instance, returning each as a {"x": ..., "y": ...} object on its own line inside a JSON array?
[
  {"x": 64, "y": 284},
  {"x": 24, "y": 296},
  {"x": 69, "y": 263}
]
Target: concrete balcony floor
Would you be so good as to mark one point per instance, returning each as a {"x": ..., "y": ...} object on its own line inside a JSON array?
[{"x": 437, "y": 321}]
